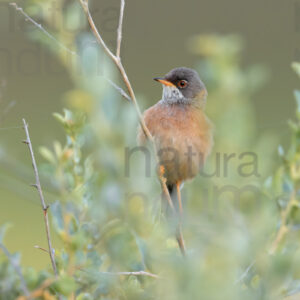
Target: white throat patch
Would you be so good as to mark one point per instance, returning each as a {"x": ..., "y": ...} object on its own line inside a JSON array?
[{"x": 171, "y": 94}]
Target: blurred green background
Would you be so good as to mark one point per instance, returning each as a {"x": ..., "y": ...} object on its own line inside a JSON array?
[{"x": 242, "y": 50}]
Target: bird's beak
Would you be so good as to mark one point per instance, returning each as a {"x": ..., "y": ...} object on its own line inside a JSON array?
[{"x": 164, "y": 82}]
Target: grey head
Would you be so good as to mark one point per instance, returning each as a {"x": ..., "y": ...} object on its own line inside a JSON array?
[{"x": 184, "y": 86}]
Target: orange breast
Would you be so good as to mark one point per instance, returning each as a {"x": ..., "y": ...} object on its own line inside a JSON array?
[{"x": 183, "y": 136}]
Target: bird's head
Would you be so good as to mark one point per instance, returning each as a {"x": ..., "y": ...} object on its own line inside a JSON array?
[{"x": 183, "y": 85}]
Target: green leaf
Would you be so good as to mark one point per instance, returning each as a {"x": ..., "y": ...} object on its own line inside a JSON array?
[
  {"x": 296, "y": 67},
  {"x": 65, "y": 285},
  {"x": 59, "y": 118},
  {"x": 48, "y": 155}
]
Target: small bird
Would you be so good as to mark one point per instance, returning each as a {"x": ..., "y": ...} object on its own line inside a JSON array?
[{"x": 181, "y": 131}]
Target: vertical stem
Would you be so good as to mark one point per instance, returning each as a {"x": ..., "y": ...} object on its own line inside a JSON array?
[
  {"x": 45, "y": 207},
  {"x": 120, "y": 27}
]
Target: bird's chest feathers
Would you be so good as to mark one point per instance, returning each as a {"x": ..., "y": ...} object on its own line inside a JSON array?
[{"x": 181, "y": 126}]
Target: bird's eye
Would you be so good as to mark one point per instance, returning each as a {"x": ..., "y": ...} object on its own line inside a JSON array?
[{"x": 182, "y": 84}]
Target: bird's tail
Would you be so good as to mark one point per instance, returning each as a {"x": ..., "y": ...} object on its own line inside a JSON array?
[{"x": 174, "y": 214}]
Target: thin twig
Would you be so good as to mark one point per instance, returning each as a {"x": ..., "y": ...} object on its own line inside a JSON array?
[
  {"x": 85, "y": 7},
  {"x": 283, "y": 229},
  {"x": 45, "y": 207},
  {"x": 41, "y": 248},
  {"x": 120, "y": 28},
  {"x": 119, "y": 89},
  {"x": 245, "y": 273},
  {"x": 49, "y": 35},
  {"x": 117, "y": 60},
  {"x": 17, "y": 269}
]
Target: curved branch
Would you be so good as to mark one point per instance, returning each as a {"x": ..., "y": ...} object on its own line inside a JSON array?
[{"x": 85, "y": 7}]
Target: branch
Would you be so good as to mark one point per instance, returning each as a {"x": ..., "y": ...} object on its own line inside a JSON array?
[
  {"x": 85, "y": 7},
  {"x": 17, "y": 269},
  {"x": 119, "y": 89},
  {"x": 120, "y": 27},
  {"x": 45, "y": 207}
]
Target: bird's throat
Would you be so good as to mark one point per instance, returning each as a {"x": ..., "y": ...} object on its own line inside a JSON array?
[{"x": 172, "y": 95}]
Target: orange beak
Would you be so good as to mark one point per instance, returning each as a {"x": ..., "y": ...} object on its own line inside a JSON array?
[{"x": 163, "y": 81}]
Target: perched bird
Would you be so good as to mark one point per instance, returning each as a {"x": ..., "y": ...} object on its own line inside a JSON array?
[
  {"x": 179, "y": 126},
  {"x": 181, "y": 131}
]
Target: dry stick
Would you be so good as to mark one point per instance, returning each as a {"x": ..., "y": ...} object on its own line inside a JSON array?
[
  {"x": 120, "y": 27},
  {"x": 17, "y": 269},
  {"x": 117, "y": 60},
  {"x": 45, "y": 207},
  {"x": 119, "y": 89}
]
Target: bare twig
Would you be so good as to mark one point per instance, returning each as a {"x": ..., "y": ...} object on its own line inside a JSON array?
[
  {"x": 283, "y": 229},
  {"x": 41, "y": 248},
  {"x": 245, "y": 273},
  {"x": 85, "y": 7},
  {"x": 120, "y": 28},
  {"x": 117, "y": 60},
  {"x": 17, "y": 269},
  {"x": 119, "y": 89},
  {"x": 45, "y": 207},
  {"x": 49, "y": 35}
]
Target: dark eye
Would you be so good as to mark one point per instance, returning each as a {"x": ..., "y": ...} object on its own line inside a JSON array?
[{"x": 182, "y": 84}]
